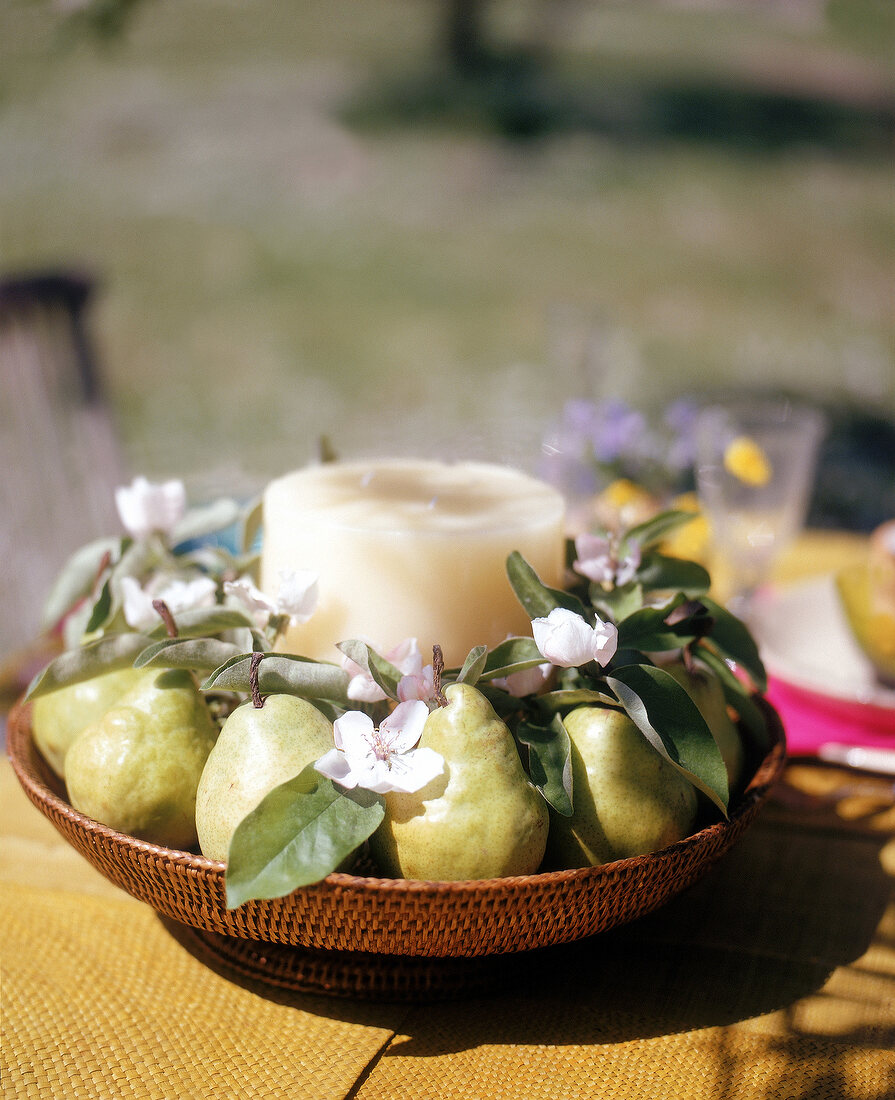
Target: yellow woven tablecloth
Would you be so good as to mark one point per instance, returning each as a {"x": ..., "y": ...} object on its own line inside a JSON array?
[{"x": 772, "y": 979}]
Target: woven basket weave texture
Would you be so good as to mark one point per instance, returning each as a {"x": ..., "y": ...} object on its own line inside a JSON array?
[{"x": 387, "y": 916}]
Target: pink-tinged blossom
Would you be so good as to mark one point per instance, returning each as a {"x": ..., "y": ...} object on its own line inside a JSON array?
[
  {"x": 383, "y": 759},
  {"x": 566, "y": 639},
  {"x": 417, "y": 685},
  {"x": 598, "y": 559},
  {"x": 527, "y": 682},
  {"x": 145, "y": 507},
  {"x": 417, "y": 681}
]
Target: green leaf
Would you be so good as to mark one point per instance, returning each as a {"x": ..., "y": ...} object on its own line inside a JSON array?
[
  {"x": 738, "y": 696},
  {"x": 206, "y": 520},
  {"x": 106, "y": 654},
  {"x": 282, "y": 672},
  {"x": 202, "y": 622},
  {"x": 617, "y": 603},
  {"x": 549, "y": 761},
  {"x": 103, "y": 610},
  {"x": 732, "y": 638},
  {"x": 537, "y": 599},
  {"x": 661, "y": 572},
  {"x": 77, "y": 578},
  {"x": 299, "y": 833},
  {"x": 215, "y": 561},
  {"x": 647, "y": 629},
  {"x": 569, "y": 698},
  {"x": 473, "y": 666},
  {"x": 672, "y": 723},
  {"x": 384, "y": 673},
  {"x": 656, "y": 528},
  {"x": 512, "y": 655},
  {"x": 202, "y": 654}
]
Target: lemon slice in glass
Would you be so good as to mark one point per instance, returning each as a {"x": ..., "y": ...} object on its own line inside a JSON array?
[{"x": 746, "y": 460}]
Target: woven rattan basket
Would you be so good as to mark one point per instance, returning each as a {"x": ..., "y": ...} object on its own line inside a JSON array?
[{"x": 371, "y": 936}]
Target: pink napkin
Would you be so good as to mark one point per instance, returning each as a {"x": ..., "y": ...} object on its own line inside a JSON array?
[{"x": 811, "y": 720}]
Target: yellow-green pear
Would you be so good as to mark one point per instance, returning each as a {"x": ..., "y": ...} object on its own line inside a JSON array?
[
  {"x": 59, "y": 716},
  {"x": 705, "y": 689},
  {"x": 870, "y": 614},
  {"x": 628, "y": 799},
  {"x": 258, "y": 749},
  {"x": 482, "y": 818},
  {"x": 137, "y": 768}
]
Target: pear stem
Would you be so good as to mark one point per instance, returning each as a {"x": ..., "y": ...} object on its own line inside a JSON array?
[
  {"x": 167, "y": 618},
  {"x": 257, "y": 701},
  {"x": 437, "y": 670}
]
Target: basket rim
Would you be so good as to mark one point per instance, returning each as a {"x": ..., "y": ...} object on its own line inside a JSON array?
[{"x": 19, "y": 741}]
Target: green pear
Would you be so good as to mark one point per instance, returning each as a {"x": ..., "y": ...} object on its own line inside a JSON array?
[
  {"x": 258, "y": 749},
  {"x": 705, "y": 689},
  {"x": 628, "y": 799},
  {"x": 59, "y": 716},
  {"x": 137, "y": 768},
  {"x": 482, "y": 818}
]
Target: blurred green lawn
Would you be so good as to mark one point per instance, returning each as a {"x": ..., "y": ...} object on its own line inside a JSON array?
[{"x": 302, "y": 226}]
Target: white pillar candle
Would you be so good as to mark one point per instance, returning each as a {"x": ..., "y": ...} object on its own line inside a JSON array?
[{"x": 410, "y": 549}]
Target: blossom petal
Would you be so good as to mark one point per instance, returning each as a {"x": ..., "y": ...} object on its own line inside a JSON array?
[
  {"x": 335, "y": 766},
  {"x": 404, "y": 726},
  {"x": 414, "y": 770},
  {"x": 298, "y": 595},
  {"x": 183, "y": 595},
  {"x": 252, "y": 598},
  {"x": 144, "y": 507},
  {"x": 353, "y": 733},
  {"x": 628, "y": 566},
  {"x": 595, "y": 558},
  {"x": 527, "y": 682},
  {"x": 136, "y": 604},
  {"x": 605, "y": 643},
  {"x": 406, "y": 657},
  {"x": 418, "y": 685},
  {"x": 565, "y": 639},
  {"x": 362, "y": 688}
]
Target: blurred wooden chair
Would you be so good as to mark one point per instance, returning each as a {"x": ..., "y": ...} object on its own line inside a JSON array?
[{"x": 59, "y": 455}]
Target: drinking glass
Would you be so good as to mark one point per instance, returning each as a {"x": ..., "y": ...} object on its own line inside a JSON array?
[{"x": 755, "y": 465}]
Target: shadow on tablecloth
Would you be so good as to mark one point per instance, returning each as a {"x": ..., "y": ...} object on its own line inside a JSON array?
[{"x": 763, "y": 930}]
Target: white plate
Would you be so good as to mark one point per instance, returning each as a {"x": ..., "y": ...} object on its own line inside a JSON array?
[{"x": 805, "y": 640}]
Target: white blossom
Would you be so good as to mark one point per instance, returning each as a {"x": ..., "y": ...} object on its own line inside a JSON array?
[
  {"x": 383, "y": 759},
  {"x": 297, "y": 597},
  {"x": 178, "y": 595},
  {"x": 566, "y": 639},
  {"x": 145, "y": 507}
]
